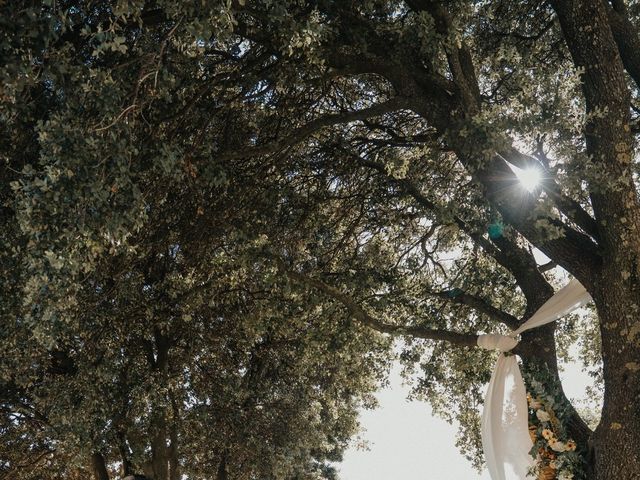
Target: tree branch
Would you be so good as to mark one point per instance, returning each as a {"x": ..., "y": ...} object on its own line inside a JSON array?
[
  {"x": 547, "y": 266},
  {"x": 481, "y": 305},
  {"x": 506, "y": 252},
  {"x": 440, "y": 102},
  {"x": 573, "y": 250},
  {"x": 459, "y": 58},
  {"x": 357, "y": 312},
  {"x": 99, "y": 467},
  {"x": 587, "y": 30},
  {"x": 300, "y": 134},
  {"x": 626, "y": 37}
]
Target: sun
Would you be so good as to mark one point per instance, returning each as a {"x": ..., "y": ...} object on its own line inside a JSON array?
[{"x": 529, "y": 177}]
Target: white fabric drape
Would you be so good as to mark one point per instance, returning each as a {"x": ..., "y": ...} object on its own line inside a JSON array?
[{"x": 505, "y": 425}]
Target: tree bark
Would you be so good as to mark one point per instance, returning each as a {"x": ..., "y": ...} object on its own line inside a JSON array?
[
  {"x": 627, "y": 39},
  {"x": 222, "y": 473},
  {"x": 99, "y": 467},
  {"x": 617, "y": 438},
  {"x": 174, "y": 461},
  {"x": 538, "y": 353},
  {"x": 616, "y": 291},
  {"x": 159, "y": 449}
]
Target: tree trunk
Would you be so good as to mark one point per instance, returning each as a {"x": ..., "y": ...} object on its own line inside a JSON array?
[
  {"x": 174, "y": 463},
  {"x": 538, "y": 355},
  {"x": 159, "y": 449},
  {"x": 222, "y": 473},
  {"x": 99, "y": 467},
  {"x": 617, "y": 439},
  {"x": 127, "y": 467}
]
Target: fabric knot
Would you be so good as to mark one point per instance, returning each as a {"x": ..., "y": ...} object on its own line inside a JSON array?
[
  {"x": 497, "y": 342},
  {"x": 504, "y": 428}
]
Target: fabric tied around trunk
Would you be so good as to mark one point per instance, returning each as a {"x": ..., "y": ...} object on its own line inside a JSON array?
[{"x": 505, "y": 421}]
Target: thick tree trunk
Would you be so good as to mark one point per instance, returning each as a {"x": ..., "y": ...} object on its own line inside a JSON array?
[
  {"x": 222, "y": 473},
  {"x": 617, "y": 439},
  {"x": 616, "y": 291},
  {"x": 538, "y": 353},
  {"x": 612, "y": 451},
  {"x": 174, "y": 461},
  {"x": 159, "y": 450},
  {"x": 99, "y": 467}
]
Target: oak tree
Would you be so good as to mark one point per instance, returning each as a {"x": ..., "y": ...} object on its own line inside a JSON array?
[{"x": 210, "y": 207}]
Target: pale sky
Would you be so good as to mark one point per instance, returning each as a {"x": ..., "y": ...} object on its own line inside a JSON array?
[{"x": 408, "y": 443}]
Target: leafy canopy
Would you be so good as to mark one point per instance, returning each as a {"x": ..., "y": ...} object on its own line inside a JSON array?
[{"x": 212, "y": 211}]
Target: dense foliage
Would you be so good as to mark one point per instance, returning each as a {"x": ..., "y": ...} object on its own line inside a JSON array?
[{"x": 216, "y": 214}]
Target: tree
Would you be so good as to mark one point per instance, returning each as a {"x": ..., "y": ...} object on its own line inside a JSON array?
[
  {"x": 338, "y": 154},
  {"x": 158, "y": 370}
]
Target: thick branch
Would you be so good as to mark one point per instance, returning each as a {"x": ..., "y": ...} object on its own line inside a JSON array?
[
  {"x": 357, "y": 312},
  {"x": 300, "y": 134},
  {"x": 458, "y": 57},
  {"x": 461, "y": 66},
  {"x": 573, "y": 250},
  {"x": 481, "y": 305},
  {"x": 445, "y": 108},
  {"x": 626, "y": 36},
  {"x": 547, "y": 266},
  {"x": 587, "y": 30}
]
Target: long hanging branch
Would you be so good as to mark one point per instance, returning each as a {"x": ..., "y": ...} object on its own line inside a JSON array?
[{"x": 358, "y": 313}]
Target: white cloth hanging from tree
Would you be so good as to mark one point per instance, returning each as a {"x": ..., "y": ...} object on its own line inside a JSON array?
[{"x": 505, "y": 420}]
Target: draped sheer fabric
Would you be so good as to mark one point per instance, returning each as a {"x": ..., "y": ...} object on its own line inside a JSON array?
[{"x": 505, "y": 427}]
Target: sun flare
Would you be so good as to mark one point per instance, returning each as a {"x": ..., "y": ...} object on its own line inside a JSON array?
[{"x": 529, "y": 178}]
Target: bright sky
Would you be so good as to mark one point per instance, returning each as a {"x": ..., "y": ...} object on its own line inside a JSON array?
[{"x": 407, "y": 442}]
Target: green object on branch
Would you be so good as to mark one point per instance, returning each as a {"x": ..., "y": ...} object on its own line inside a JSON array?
[
  {"x": 455, "y": 292},
  {"x": 495, "y": 230}
]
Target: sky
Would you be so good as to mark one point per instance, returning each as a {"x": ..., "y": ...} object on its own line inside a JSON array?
[{"x": 407, "y": 442}]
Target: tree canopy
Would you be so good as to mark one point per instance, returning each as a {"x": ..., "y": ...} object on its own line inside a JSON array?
[{"x": 216, "y": 216}]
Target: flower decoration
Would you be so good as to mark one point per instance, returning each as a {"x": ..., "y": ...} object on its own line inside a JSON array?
[
  {"x": 542, "y": 415},
  {"x": 555, "y": 454},
  {"x": 547, "y": 434},
  {"x": 558, "y": 446}
]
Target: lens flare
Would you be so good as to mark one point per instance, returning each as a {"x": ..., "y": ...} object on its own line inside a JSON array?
[{"x": 529, "y": 177}]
